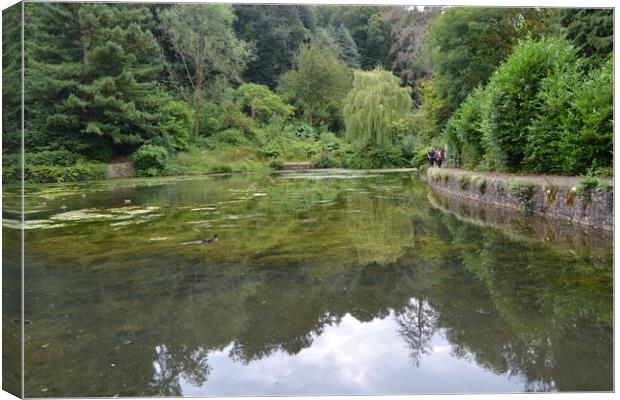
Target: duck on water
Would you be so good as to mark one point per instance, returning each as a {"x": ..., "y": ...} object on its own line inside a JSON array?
[{"x": 202, "y": 241}]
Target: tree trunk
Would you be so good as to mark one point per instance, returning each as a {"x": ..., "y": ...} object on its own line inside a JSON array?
[
  {"x": 197, "y": 107},
  {"x": 199, "y": 83}
]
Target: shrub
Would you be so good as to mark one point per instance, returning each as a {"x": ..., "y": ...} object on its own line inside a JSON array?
[
  {"x": 221, "y": 169},
  {"x": 60, "y": 158},
  {"x": 371, "y": 157},
  {"x": 276, "y": 164},
  {"x": 261, "y": 103},
  {"x": 450, "y": 135},
  {"x": 551, "y": 193},
  {"x": 419, "y": 158},
  {"x": 522, "y": 191},
  {"x": 539, "y": 113},
  {"x": 573, "y": 129},
  {"x": 330, "y": 141},
  {"x": 588, "y": 127},
  {"x": 231, "y": 136},
  {"x": 605, "y": 185},
  {"x": 601, "y": 171},
  {"x": 325, "y": 160},
  {"x": 586, "y": 184},
  {"x": 570, "y": 196},
  {"x": 211, "y": 119},
  {"x": 164, "y": 141},
  {"x": 543, "y": 151},
  {"x": 174, "y": 169},
  {"x": 463, "y": 180},
  {"x": 177, "y": 122},
  {"x": 463, "y": 134},
  {"x": 585, "y": 187},
  {"x": 269, "y": 152},
  {"x": 148, "y": 158},
  {"x": 304, "y": 131},
  {"x": 53, "y": 174},
  {"x": 151, "y": 172},
  {"x": 11, "y": 174},
  {"x": 480, "y": 183},
  {"x": 235, "y": 119},
  {"x": 512, "y": 101}
]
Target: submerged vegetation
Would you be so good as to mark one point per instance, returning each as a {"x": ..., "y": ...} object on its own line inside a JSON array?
[
  {"x": 198, "y": 88},
  {"x": 504, "y": 300}
]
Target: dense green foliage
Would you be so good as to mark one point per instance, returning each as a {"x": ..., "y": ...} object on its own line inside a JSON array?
[
  {"x": 573, "y": 130},
  {"x": 368, "y": 28},
  {"x": 513, "y": 100},
  {"x": 317, "y": 85},
  {"x": 591, "y": 30},
  {"x": 463, "y": 132},
  {"x": 261, "y": 103},
  {"x": 541, "y": 112},
  {"x": 149, "y": 159},
  {"x": 347, "y": 46},
  {"x": 373, "y": 106},
  {"x": 204, "y": 39},
  {"x": 237, "y": 88},
  {"x": 410, "y": 50},
  {"x": 470, "y": 43},
  {"x": 91, "y": 71},
  {"x": 11, "y": 79},
  {"x": 276, "y": 31}
]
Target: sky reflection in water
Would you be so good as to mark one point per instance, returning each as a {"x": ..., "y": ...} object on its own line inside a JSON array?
[
  {"x": 361, "y": 285},
  {"x": 353, "y": 358}
]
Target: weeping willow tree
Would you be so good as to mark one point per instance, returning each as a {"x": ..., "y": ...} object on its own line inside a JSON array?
[{"x": 373, "y": 106}]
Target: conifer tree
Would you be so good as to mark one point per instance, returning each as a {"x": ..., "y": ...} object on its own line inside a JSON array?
[
  {"x": 277, "y": 31},
  {"x": 11, "y": 78},
  {"x": 91, "y": 67},
  {"x": 347, "y": 45},
  {"x": 592, "y": 30},
  {"x": 325, "y": 38}
]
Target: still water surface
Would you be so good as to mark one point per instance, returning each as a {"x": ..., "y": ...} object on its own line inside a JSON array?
[{"x": 320, "y": 283}]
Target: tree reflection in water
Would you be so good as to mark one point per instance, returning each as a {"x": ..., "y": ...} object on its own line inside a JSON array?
[
  {"x": 169, "y": 366},
  {"x": 291, "y": 265},
  {"x": 417, "y": 324}
]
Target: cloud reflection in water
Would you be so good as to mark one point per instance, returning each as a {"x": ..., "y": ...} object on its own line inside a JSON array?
[{"x": 352, "y": 357}]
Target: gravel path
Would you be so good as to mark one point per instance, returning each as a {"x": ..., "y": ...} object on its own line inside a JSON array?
[{"x": 556, "y": 180}]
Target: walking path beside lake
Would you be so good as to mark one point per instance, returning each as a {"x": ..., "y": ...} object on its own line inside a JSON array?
[{"x": 543, "y": 180}]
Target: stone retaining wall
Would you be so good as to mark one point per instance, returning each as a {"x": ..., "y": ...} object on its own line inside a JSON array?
[
  {"x": 120, "y": 170},
  {"x": 592, "y": 207},
  {"x": 297, "y": 165}
]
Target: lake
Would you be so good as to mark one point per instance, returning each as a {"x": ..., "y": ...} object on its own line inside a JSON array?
[{"x": 325, "y": 282}]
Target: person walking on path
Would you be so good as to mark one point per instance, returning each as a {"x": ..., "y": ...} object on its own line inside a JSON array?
[
  {"x": 431, "y": 156},
  {"x": 438, "y": 157}
]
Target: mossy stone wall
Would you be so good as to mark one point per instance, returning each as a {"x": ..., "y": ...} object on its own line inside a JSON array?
[{"x": 592, "y": 206}]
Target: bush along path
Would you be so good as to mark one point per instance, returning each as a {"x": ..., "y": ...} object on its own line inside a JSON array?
[{"x": 583, "y": 200}]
